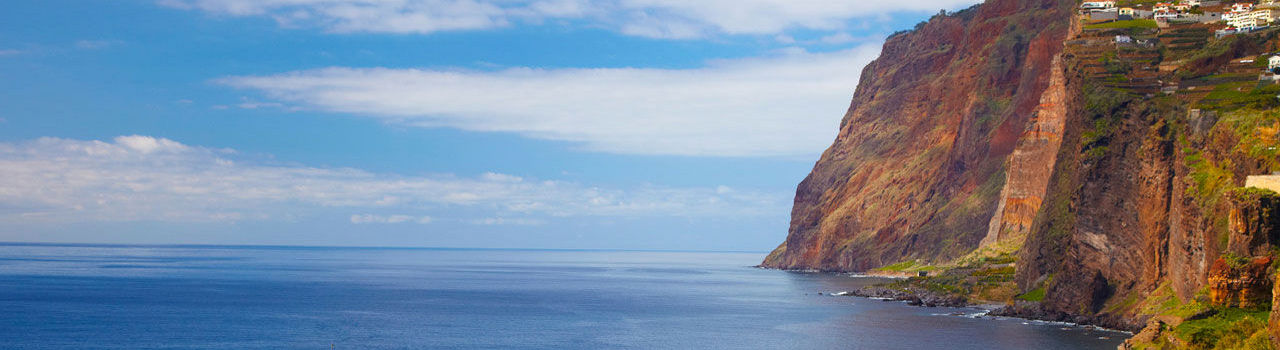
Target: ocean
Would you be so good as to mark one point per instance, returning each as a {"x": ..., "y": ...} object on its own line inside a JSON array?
[{"x": 233, "y": 297}]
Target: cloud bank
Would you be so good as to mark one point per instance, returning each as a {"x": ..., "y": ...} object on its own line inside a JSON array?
[
  {"x": 143, "y": 178},
  {"x": 789, "y": 104},
  {"x": 679, "y": 19}
]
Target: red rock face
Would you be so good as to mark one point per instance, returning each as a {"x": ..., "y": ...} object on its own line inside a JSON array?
[
  {"x": 920, "y": 162},
  {"x": 1253, "y": 222},
  {"x": 1031, "y": 164},
  {"x": 1124, "y": 215},
  {"x": 1244, "y": 286}
]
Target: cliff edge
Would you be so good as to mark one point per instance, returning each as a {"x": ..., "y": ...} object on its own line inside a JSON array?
[
  {"x": 921, "y": 161},
  {"x": 1092, "y": 169}
]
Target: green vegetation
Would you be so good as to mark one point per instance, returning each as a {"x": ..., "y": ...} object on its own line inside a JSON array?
[
  {"x": 1208, "y": 178},
  {"x": 1033, "y": 295},
  {"x": 1228, "y": 328},
  {"x": 1136, "y": 23},
  {"x": 1203, "y": 326},
  {"x": 1238, "y": 95},
  {"x": 1247, "y": 134},
  {"x": 1103, "y": 106},
  {"x": 1235, "y": 261},
  {"x": 994, "y": 275},
  {"x": 1253, "y": 193},
  {"x": 1257, "y": 131},
  {"x": 1038, "y": 293},
  {"x": 899, "y": 267},
  {"x": 1165, "y": 302},
  {"x": 983, "y": 274}
]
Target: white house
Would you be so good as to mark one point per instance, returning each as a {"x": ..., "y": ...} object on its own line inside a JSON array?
[
  {"x": 1165, "y": 15},
  {"x": 1097, "y": 5},
  {"x": 1191, "y": 2},
  {"x": 1273, "y": 62},
  {"x": 1162, "y": 7},
  {"x": 1241, "y": 7},
  {"x": 1246, "y": 21}
]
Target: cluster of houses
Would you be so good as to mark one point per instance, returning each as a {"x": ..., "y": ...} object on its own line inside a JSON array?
[
  {"x": 1238, "y": 17},
  {"x": 1243, "y": 17},
  {"x": 1161, "y": 12}
]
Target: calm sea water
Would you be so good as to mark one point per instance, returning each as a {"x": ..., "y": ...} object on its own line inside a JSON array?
[{"x": 136, "y": 297}]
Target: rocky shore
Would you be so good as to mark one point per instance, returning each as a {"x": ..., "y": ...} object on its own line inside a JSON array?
[
  {"x": 1020, "y": 309},
  {"x": 913, "y": 296},
  {"x": 1034, "y": 311}
]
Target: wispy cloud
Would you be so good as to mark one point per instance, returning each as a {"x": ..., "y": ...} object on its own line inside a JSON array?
[
  {"x": 259, "y": 105},
  {"x": 509, "y": 221},
  {"x": 389, "y": 219},
  {"x": 678, "y": 19},
  {"x": 11, "y": 52},
  {"x": 142, "y": 178},
  {"x": 95, "y": 44},
  {"x": 785, "y": 105}
]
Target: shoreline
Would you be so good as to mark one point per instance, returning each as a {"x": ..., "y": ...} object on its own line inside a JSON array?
[
  {"x": 987, "y": 310},
  {"x": 1030, "y": 311},
  {"x": 920, "y": 297}
]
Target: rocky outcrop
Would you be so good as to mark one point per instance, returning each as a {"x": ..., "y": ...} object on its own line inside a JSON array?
[
  {"x": 923, "y": 153},
  {"x": 1241, "y": 283},
  {"x": 1157, "y": 330},
  {"x": 913, "y": 296},
  {"x": 1253, "y": 222},
  {"x": 1031, "y": 163}
]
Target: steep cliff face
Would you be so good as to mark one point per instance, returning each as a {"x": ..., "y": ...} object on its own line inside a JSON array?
[
  {"x": 920, "y": 164},
  {"x": 1018, "y": 143},
  {"x": 1144, "y": 215}
]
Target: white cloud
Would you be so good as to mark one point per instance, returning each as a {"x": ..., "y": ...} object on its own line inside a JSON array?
[
  {"x": 389, "y": 219},
  {"x": 767, "y": 16},
  {"x": 259, "y": 105},
  {"x": 11, "y": 52},
  {"x": 147, "y": 144},
  {"x": 785, "y": 105},
  {"x": 142, "y": 178},
  {"x": 509, "y": 221},
  {"x": 839, "y": 38},
  {"x": 95, "y": 44},
  {"x": 649, "y": 18}
]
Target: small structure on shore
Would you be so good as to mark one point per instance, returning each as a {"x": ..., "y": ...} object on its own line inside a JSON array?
[{"x": 1270, "y": 182}]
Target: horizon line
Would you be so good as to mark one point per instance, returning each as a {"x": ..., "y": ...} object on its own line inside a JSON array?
[{"x": 287, "y": 246}]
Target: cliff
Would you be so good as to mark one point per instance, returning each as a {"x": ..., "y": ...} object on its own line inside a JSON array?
[
  {"x": 1111, "y": 180},
  {"x": 920, "y": 163}
]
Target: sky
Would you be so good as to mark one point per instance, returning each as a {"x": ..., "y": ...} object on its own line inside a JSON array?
[{"x": 561, "y": 124}]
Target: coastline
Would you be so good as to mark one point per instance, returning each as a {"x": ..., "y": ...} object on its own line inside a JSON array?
[
  {"x": 921, "y": 297},
  {"x": 930, "y": 299}
]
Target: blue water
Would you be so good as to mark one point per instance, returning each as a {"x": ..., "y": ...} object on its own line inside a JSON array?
[{"x": 150, "y": 297}]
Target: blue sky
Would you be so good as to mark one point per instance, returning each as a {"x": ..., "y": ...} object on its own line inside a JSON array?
[{"x": 635, "y": 124}]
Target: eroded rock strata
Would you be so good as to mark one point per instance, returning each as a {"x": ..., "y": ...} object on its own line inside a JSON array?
[
  {"x": 922, "y": 154},
  {"x": 1030, "y": 156}
]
